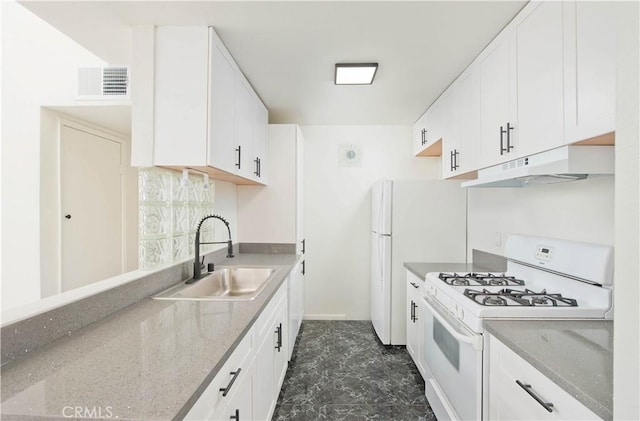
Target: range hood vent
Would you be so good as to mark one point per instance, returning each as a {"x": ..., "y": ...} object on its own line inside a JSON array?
[{"x": 566, "y": 163}]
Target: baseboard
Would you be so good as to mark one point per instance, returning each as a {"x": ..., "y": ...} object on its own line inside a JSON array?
[{"x": 324, "y": 317}]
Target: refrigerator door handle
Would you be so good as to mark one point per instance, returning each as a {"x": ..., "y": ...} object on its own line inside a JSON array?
[{"x": 380, "y": 262}]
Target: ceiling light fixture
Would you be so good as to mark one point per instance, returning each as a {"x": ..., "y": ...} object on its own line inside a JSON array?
[{"x": 355, "y": 73}]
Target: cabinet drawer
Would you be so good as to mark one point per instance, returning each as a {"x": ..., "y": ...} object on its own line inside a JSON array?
[
  {"x": 212, "y": 399},
  {"x": 515, "y": 387}
]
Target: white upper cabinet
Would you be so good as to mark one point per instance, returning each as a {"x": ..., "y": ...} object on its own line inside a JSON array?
[
  {"x": 469, "y": 124},
  {"x": 260, "y": 144},
  {"x": 539, "y": 123},
  {"x": 589, "y": 69},
  {"x": 498, "y": 138},
  {"x": 245, "y": 121},
  {"x": 180, "y": 115},
  {"x": 206, "y": 115},
  {"x": 451, "y": 147},
  {"x": 428, "y": 130},
  {"x": 222, "y": 107}
]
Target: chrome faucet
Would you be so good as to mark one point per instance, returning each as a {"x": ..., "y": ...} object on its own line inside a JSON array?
[{"x": 197, "y": 268}]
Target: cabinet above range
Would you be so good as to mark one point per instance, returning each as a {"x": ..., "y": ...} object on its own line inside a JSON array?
[
  {"x": 546, "y": 81},
  {"x": 206, "y": 116}
]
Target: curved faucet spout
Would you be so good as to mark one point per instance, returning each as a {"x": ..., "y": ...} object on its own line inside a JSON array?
[{"x": 197, "y": 269}]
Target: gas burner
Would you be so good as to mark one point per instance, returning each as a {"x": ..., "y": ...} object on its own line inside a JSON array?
[
  {"x": 479, "y": 279},
  {"x": 514, "y": 297}
]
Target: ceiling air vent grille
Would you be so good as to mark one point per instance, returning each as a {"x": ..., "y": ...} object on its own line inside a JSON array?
[{"x": 110, "y": 82}]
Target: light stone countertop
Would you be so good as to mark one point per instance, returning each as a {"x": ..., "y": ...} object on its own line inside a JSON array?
[
  {"x": 577, "y": 355},
  {"x": 151, "y": 360}
]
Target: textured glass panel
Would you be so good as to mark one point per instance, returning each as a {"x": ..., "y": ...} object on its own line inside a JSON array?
[
  {"x": 207, "y": 193},
  {"x": 180, "y": 219},
  {"x": 154, "y": 220},
  {"x": 179, "y": 193},
  {"x": 154, "y": 253},
  {"x": 195, "y": 215},
  {"x": 180, "y": 248},
  {"x": 169, "y": 215},
  {"x": 154, "y": 185},
  {"x": 195, "y": 190}
]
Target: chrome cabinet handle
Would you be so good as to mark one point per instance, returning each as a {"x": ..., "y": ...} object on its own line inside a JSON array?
[
  {"x": 236, "y": 416},
  {"x": 502, "y": 148},
  {"x": 414, "y": 285},
  {"x": 235, "y": 374},
  {"x": 527, "y": 388}
]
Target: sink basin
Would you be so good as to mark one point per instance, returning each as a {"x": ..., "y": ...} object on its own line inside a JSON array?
[{"x": 224, "y": 284}]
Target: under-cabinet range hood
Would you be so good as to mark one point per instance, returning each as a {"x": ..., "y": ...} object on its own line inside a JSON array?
[{"x": 566, "y": 163}]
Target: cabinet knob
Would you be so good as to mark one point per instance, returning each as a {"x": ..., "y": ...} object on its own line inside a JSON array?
[{"x": 68, "y": 216}]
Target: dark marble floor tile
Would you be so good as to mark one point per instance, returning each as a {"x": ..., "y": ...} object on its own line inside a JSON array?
[
  {"x": 340, "y": 370},
  {"x": 380, "y": 413},
  {"x": 300, "y": 413}
]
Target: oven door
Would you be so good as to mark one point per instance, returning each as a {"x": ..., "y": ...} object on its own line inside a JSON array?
[{"x": 453, "y": 355}]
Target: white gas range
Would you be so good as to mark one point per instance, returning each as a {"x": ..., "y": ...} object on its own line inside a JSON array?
[{"x": 545, "y": 278}]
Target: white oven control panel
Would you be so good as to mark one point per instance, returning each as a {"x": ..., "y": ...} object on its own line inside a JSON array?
[{"x": 544, "y": 253}]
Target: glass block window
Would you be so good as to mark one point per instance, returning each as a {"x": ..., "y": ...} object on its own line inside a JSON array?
[{"x": 169, "y": 215}]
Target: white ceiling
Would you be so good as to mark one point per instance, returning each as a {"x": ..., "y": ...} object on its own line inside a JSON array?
[{"x": 287, "y": 50}]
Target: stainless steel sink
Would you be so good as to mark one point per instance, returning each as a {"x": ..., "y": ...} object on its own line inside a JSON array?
[{"x": 224, "y": 284}]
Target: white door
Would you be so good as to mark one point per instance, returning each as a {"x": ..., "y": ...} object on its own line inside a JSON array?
[{"x": 91, "y": 205}]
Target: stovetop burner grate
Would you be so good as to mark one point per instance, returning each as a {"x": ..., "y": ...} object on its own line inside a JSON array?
[
  {"x": 514, "y": 297},
  {"x": 480, "y": 279}
]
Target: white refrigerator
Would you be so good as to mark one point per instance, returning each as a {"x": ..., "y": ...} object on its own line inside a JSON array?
[{"x": 412, "y": 221}]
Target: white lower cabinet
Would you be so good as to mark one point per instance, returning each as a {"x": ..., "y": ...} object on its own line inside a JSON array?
[
  {"x": 518, "y": 391},
  {"x": 233, "y": 379},
  {"x": 415, "y": 322},
  {"x": 296, "y": 303},
  {"x": 248, "y": 385},
  {"x": 271, "y": 355}
]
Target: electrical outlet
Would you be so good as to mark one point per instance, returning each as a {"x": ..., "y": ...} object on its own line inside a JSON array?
[{"x": 498, "y": 239}]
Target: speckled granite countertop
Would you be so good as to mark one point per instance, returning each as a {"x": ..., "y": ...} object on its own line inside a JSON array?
[
  {"x": 420, "y": 269},
  {"x": 576, "y": 355},
  {"x": 151, "y": 360}
]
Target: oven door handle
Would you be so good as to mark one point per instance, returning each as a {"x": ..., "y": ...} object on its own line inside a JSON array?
[{"x": 472, "y": 339}]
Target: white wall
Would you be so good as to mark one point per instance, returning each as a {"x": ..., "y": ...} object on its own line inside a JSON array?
[
  {"x": 226, "y": 205},
  {"x": 337, "y": 211},
  {"x": 580, "y": 211},
  {"x": 38, "y": 69},
  {"x": 626, "y": 349}
]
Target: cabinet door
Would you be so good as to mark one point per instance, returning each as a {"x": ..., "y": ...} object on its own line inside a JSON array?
[
  {"x": 495, "y": 101},
  {"x": 260, "y": 142},
  {"x": 299, "y": 173},
  {"x": 517, "y": 391},
  {"x": 412, "y": 327},
  {"x": 221, "y": 107},
  {"x": 539, "y": 59},
  {"x": 589, "y": 69},
  {"x": 245, "y": 111},
  {"x": 240, "y": 406},
  {"x": 263, "y": 395},
  {"x": 470, "y": 125},
  {"x": 180, "y": 114},
  {"x": 281, "y": 355},
  {"x": 451, "y": 132},
  {"x": 421, "y": 360}
]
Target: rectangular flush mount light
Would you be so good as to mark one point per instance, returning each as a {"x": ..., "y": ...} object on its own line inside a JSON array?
[{"x": 355, "y": 73}]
